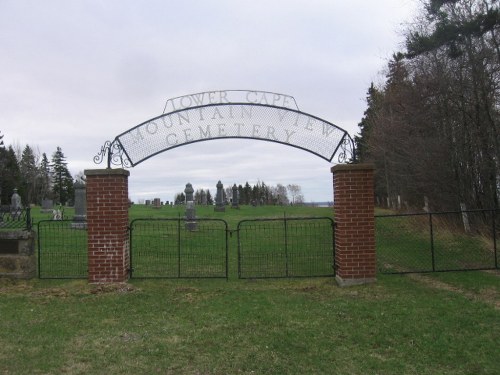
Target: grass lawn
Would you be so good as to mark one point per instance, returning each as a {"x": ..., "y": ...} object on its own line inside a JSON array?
[
  {"x": 444, "y": 323},
  {"x": 411, "y": 324}
]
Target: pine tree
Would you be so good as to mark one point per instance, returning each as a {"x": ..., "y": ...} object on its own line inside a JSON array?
[
  {"x": 11, "y": 178},
  {"x": 2, "y": 162},
  {"x": 29, "y": 172},
  {"x": 62, "y": 180},
  {"x": 44, "y": 177},
  {"x": 210, "y": 200},
  {"x": 367, "y": 123}
]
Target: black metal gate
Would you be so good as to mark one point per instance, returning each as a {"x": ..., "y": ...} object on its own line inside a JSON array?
[
  {"x": 287, "y": 247},
  {"x": 176, "y": 248},
  {"x": 62, "y": 250}
]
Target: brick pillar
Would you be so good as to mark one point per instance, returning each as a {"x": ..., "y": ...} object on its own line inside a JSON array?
[
  {"x": 107, "y": 225},
  {"x": 355, "y": 257}
]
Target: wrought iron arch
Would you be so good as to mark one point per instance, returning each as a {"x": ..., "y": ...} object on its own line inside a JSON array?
[{"x": 226, "y": 119}]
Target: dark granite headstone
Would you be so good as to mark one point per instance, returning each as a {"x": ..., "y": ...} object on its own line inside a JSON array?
[
  {"x": 15, "y": 205},
  {"x": 47, "y": 205},
  {"x": 190, "y": 209},
  {"x": 80, "y": 217},
  {"x": 235, "y": 199},
  {"x": 219, "y": 198}
]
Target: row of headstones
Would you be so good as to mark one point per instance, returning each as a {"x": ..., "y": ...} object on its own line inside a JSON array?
[
  {"x": 80, "y": 206},
  {"x": 219, "y": 196},
  {"x": 157, "y": 203}
]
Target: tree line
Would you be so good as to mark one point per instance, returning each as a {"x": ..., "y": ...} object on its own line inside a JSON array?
[
  {"x": 257, "y": 194},
  {"x": 34, "y": 176},
  {"x": 432, "y": 128}
]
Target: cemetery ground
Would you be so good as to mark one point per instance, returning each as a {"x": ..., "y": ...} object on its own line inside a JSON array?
[{"x": 440, "y": 323}]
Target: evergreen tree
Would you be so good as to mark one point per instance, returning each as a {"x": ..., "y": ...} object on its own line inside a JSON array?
[
  {"x": 44, "y": 185},
  {"x": 180, "y": 198},
  {"x": 62, "y": 181},
  {"x": 373, "y": 99},
  {"x": 29, "y": 172},
  {"x": 11, "y": 178},
  {"x": 247, "y": 193},
  {"x": 2, "y": 162},
  {"x": 241, "y": 194},
  {"x": 210, "y": 200}
]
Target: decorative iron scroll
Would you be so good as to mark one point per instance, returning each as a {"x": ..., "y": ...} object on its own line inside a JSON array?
[
  {"x": 116, "y": 155},
  {"x": 347, "y": 150},
  {"x": 222, "y": 119}
]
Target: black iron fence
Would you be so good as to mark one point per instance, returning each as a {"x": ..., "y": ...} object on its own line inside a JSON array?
[
  {"x": 438, "y": 241},
  {"x": 62, "y": 250},
  {"x": 176, "y": 248},
  {"x": 287, "y": 247},
  {"x": 19, "y": 218}
]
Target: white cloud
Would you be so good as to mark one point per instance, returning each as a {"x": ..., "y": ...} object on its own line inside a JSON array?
[{"x": 77, "y": 73}]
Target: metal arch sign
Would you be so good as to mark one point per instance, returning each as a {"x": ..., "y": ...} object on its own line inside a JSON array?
[{"x": 230, "y": 114}]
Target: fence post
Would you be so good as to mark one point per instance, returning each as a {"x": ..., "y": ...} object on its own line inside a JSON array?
[
  {"x": 493, "y": 214},
  {"x": 107, "y": 225},
  {"x": 355, "y": 258},
  {"x": 431, "y": 229}
]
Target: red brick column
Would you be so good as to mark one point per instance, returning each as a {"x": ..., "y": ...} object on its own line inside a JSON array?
[
  {"x": 355, "y": 257},
  {"x": 107, "y": 225}
]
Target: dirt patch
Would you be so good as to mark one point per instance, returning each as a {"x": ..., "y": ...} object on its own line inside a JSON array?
[
  {"x": 50, "y": 292},
  {"x": 105, "y": 288},
  {"x": 490, "y": 296},
  {"x": 493, "y": 272},
  {"x": 185, "y": 289}
]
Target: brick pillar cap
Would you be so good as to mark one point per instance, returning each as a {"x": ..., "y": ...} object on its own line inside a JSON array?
[
  {"x": 106, "y": 172},
  {"x": 353, "y": 167}
]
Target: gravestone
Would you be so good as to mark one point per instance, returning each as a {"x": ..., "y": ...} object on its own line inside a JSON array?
[
  {"x": 15, "y": 205},
  {"x": 156, "y": 203},
  {"x": 57, "y": 214},
  {"x": 47, "y": 205},
  {"x": 17, "y": 254},
  {"x": 203, "y": 198},
  {"x": 148, "y": 202},
  {"x": 219, "y": 198},
  {"x": 190, "y": 209},
  {"x": 235, "y": 197},
  {"x": 80, "y": 217}
]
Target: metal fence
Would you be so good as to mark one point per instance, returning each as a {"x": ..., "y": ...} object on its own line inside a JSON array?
[
  {"x": 176, "y": 248},
  {"x": 438, "y": 241},
  {"x": 13, "y": 219},
  {"x": 62, "y": 250},
  {"x": 287, "y": 247}
]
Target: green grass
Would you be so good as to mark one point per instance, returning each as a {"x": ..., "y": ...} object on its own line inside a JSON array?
[
  {"x": 404, "y": 245},
  {"x": 444, "y": 323},
  {"x": 399, "y": 325}
]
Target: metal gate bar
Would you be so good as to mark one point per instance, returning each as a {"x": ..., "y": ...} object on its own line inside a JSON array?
[
  {"x": 62, "y": 250},
  {"x": 286, "y": 247},
  {"x": 176, "y": 248}
]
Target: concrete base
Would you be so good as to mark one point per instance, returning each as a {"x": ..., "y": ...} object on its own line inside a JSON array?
[
  {"x": 220, "y": 209},
  {"x": 17, "y": 254},
  {"x": 351, "y": 282}
]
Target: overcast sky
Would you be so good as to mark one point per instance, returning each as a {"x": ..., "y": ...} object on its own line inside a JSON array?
[{"x": 75, "y": 74}]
